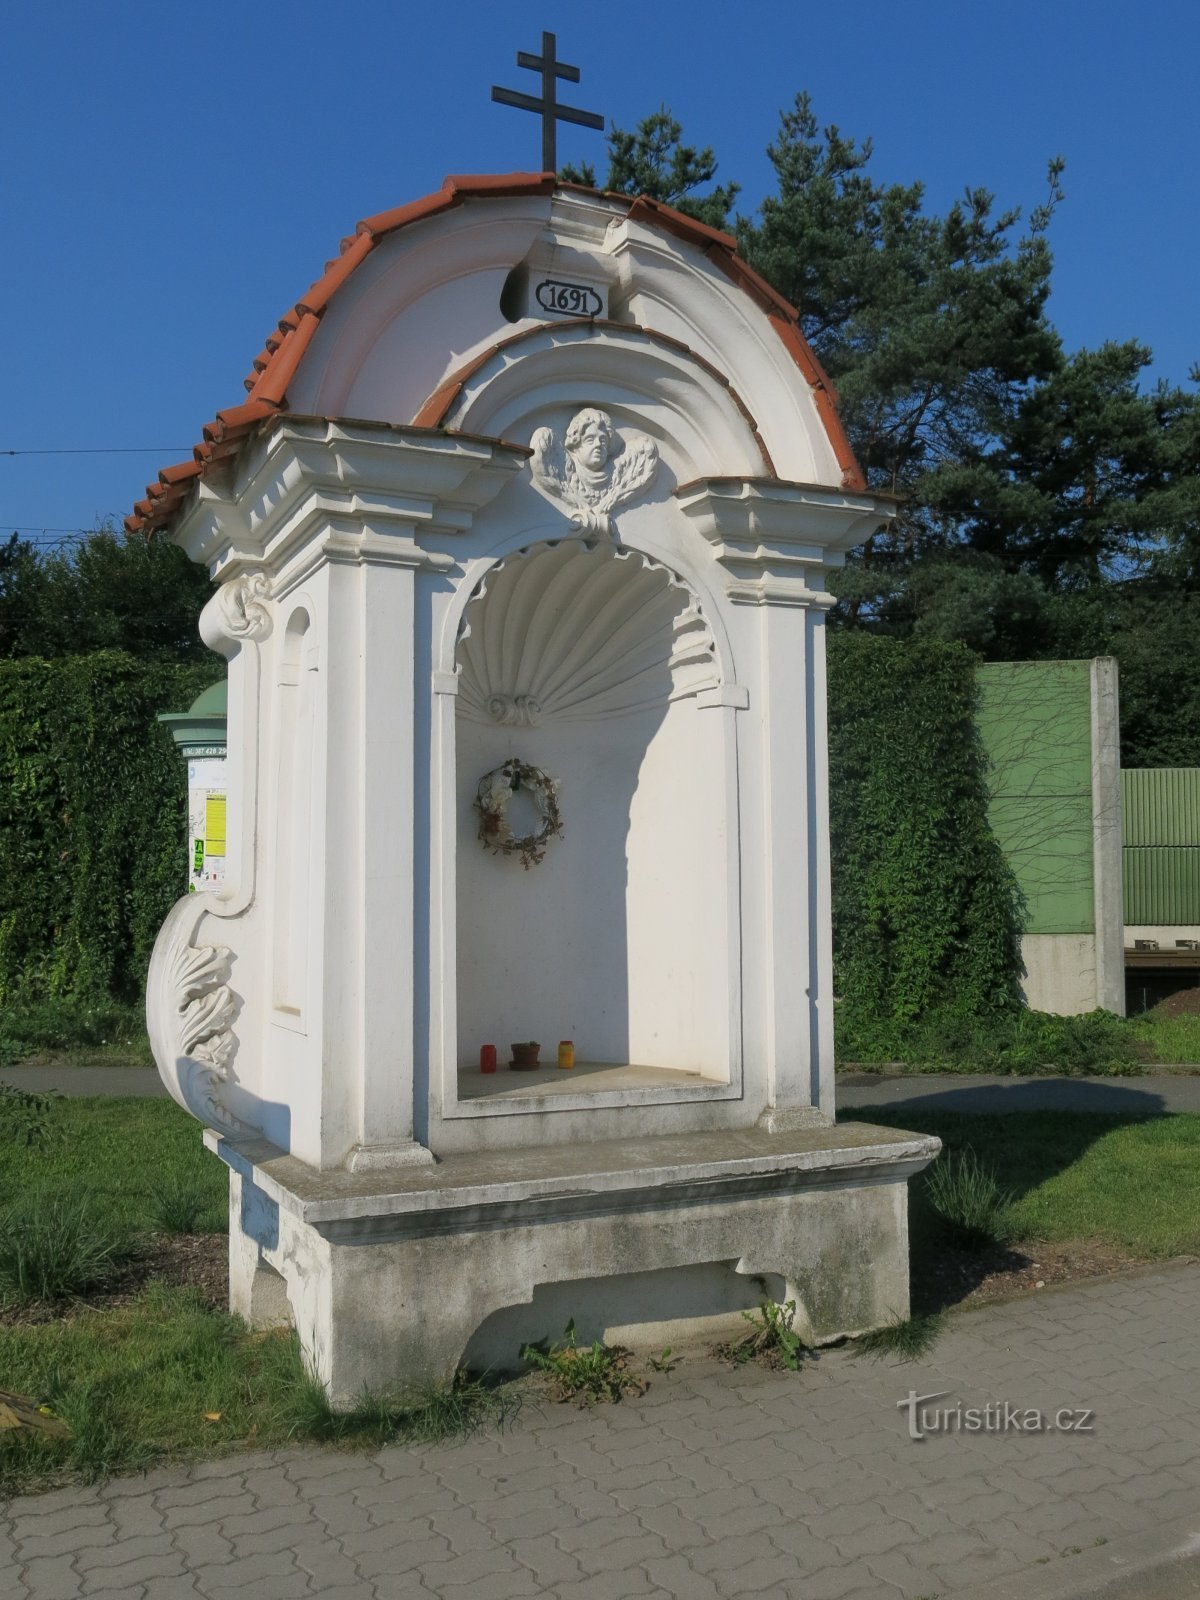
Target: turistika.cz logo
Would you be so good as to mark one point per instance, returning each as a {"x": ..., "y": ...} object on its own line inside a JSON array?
[{"x": 997, "y": 1416}]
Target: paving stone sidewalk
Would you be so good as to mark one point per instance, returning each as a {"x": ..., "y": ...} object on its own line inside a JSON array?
[{"x": 717, "y": 1484}]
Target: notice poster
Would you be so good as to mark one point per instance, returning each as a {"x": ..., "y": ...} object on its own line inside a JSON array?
[
  {"x": 207, "y": 811},
  {"x": 214, "y": 825}
]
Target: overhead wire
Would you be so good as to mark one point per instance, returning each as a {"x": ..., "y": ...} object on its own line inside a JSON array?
[
  {"x": 51, "y": 535},
  {"x": 40, "y": 533},
  {"x": 104, "y": 450}
]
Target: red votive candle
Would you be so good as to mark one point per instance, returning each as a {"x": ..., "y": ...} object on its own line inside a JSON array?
[{"x": 487, "y": 1058}]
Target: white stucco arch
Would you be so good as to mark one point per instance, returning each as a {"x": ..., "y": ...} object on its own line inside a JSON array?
[
  {"x": 694, "y": 414},
  {"x": 425, "y": 304}
]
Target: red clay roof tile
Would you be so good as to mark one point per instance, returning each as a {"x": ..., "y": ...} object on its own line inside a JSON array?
[
  {"x": 275, "y": 366},
  {"x": 179, "y": 474},
  {"x": 281, "y": 369},
  {"x": 677, "y": 222},
  {"x": 336, "y": 273}
]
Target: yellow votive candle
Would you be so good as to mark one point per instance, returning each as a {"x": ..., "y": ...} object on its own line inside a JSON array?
[{"x": 566, "y": 1053}]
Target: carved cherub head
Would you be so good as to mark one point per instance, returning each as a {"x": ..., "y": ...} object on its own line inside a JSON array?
[
  {"x": 590, "y": 438},
  {"x": 592, "y": 468}
]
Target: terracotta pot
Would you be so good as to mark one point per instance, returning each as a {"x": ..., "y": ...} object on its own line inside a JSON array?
[{"x": 524, "y": 1057}]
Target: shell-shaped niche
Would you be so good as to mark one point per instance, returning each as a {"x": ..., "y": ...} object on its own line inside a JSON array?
[{"x": 575, "y": 629}]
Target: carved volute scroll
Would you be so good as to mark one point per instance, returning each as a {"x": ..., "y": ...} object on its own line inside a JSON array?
[
  {"x": 238, "y": 613},
  {"x": 199, "y": 977},
  {"x": 190, "y": 1009},
  {"x": 236, "y": 622},
  {"x": 593, "y": 469},
  {"x": 190, "y": 1006},
  {"x": 514, "y": 710}
]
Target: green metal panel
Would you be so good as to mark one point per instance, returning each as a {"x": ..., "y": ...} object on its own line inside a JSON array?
[
  {"x": 1160, "y": 806},
  {"x": 1162, "y": 885},
  {"x": 1048, "y": 842},
  {"x": 1035, "y": 720}
]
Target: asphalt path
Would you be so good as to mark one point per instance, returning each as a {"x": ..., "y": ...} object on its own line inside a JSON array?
[
  {"x": 1144, "y": 1096},
  {"x": 71, "y": 1080}
]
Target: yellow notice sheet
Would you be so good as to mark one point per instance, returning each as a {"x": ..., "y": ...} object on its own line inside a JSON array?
[{"x": 214, "y": 825}]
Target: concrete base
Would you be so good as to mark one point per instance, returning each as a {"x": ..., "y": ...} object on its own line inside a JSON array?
[
  {"x": 388, "y": 1275},
  {"x": 1064, "y": 974}
]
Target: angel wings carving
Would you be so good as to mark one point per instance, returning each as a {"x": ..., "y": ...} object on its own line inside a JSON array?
[{"x": 593, "y": 470}]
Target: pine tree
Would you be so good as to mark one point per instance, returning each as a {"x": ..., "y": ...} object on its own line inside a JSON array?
[
  {"x": 651, "y": 161},
  {"x": 1030, "y": 478}
]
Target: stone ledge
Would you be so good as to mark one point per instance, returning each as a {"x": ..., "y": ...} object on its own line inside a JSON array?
[{"x": 495, "y": 1188}]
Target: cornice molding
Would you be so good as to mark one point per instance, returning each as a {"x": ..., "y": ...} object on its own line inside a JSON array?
[
  {"x": 379, "y": 480},
  {"x": 776, "y": 539}
]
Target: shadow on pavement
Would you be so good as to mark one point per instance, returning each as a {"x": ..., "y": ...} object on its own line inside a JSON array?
[{"x": 1114, "y": 1096}]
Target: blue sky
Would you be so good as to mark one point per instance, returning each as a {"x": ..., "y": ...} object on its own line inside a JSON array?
[{"x": 175, "y": 175}]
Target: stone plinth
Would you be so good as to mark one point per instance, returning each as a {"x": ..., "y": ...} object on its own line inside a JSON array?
[{"x": 388, "y": 1275}]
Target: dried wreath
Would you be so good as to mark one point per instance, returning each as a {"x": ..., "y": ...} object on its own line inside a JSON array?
[{"x": 496, "y": 789}]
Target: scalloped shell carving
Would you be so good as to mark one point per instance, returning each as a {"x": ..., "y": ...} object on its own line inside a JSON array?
[{"x": 575, "y": 630}]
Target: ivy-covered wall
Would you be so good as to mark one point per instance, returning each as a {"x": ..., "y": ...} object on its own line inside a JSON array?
[
  {"x": 926, "y": 910},
  {"x": 92, "y": 821}
]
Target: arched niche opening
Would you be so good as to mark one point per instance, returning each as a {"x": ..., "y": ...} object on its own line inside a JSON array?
[{"x": 594, "y": 663}]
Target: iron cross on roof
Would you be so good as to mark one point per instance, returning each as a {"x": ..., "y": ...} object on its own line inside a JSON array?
[{"x": 551, "y": 111}]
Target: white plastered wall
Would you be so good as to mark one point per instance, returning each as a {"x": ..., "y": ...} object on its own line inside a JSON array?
[{"x": 619, "y": 939}]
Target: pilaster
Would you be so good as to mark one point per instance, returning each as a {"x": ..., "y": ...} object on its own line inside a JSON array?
[
  {"x": 341, "y": 519},
  {"x": 775, "y": 541}
]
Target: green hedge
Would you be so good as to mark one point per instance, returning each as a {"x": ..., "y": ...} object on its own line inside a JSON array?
[
  {"x": 92, "y": 821},
  {"x": 926, "y": 912}
]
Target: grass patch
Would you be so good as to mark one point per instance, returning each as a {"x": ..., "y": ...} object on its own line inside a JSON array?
[
  {"x": 55, "y": 1247},
  {"x": 968, "y": 1201},
  {"x": 179, "y": 1202},
  {"x": 166, "y": 1377},
  {"x": 162, "y": 1377},
  {"x": 1024, "y": 1043},
  {"x": 1132, "y": 1182},
  {"x": 25, "y": 1117},
  {"x": 906, "y": 1339},
  {"x": 119, "y": 1154},
  {"x": 300, "y": 1410},
  {"x": 1166, "y": 1038},
  {"x": 772, "y": 1339},
  {"x": 585, "y": 1373}
]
